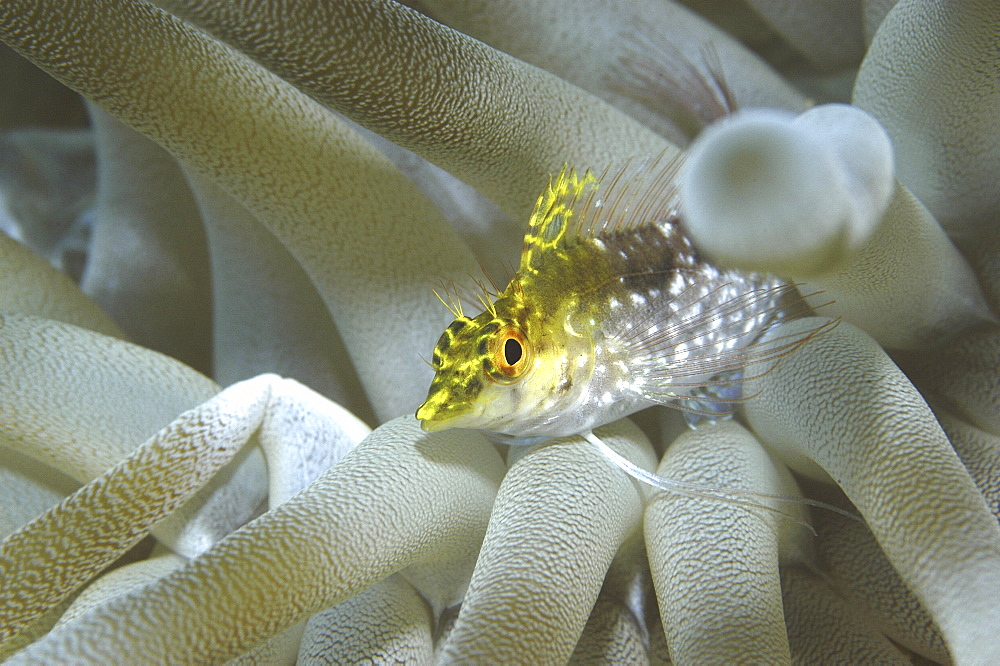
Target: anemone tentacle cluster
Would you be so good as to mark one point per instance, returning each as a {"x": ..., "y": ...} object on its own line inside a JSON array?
[{"x": 206, "y": 447}]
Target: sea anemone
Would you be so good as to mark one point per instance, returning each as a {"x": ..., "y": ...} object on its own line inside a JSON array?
[{"x": 280, "y": 185}]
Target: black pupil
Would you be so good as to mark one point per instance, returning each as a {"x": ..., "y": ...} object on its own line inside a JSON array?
[{"x": 512, "y": 351}]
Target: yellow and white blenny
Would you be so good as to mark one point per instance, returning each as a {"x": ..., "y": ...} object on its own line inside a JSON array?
[{"x": 610, "y": 311}]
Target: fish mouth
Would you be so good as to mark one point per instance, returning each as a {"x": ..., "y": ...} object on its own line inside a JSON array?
[
  {"x": 433, "y": 426},
  {"x": 434, "y": 418}
]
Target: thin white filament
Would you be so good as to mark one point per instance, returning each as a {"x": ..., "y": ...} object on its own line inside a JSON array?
[{"x": 703, "y": 491}]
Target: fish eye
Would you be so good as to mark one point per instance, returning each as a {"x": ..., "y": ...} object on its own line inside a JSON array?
[
  {"x": 508, "y": 354},
  {"x": 512, "y": 351}
]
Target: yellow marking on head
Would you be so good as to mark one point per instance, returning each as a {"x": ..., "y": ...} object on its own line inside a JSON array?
[{"x": 470, "y": 355}]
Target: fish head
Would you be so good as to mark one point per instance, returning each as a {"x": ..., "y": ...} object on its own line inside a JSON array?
[{"x": 492, "y": 374}]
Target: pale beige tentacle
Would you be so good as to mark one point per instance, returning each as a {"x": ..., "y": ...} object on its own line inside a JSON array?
[
  {"x": 561, "y": 513},
  {"x": 932, "y": 78},
  {"x": 56, "y": 553},
  {"x": 279, "y": 650},
  {"x": 639, "y": 56},
  {"x": 32, "y": 286},
  {"x": 415, "y": 497},
  {"x": 980, "y": 453},
  {"x": 148, "y": 261},
  {"x": 29, "y": 489},
  {"x": 119, "y": 581},
  {"x": 908, "y": 287},
  {"x": 612, "y": 635},
  {"x": 267, "y": 315},
  {"x": 617, "y": 630},
  {"x": 49, "y": 411},
  {"x": 715, "y": 564},
  {"x": 364, "y": 234},
  {"x": 793, "y": 195},
  {"x": 840, "y": 404},
  {"x": 303, "y": 434},
  {"x": 387, "y": 623},
  {"x": 860, "y": 571},
  {"x": 495, "y": 122},
  {"x": 824, "y": 629},
  {"x": 491, "y": 233},
  {"x": 814, "y": 198}
]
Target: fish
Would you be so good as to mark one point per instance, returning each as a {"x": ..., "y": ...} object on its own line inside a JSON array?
[{"x": 611, "y": 310}]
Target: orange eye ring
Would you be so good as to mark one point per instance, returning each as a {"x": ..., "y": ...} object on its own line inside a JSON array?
[{"x": 510, "y": 354}]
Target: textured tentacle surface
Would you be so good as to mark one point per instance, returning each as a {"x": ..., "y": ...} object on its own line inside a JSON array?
[
  {"x": 612, "y": 635},
  {"x": 648, "y": 58},
  {"x": 33, "y": 287},
  {"x": 303, "y": 172},
  {"x": 121, "y": 580},
  {"x": 244, "y": 108},
  {"x": 50, "y": 413},
  {"x": 823, "y": 628},
  {"x": 980, "y": 452},
  {"x": 267, "y": 315},
  {"x": 908, "y": 287},
  {"x": 230, "y": 599},
  {"x": 30, "y": 489},
  {"x": 388, "y": 622},
  {"x": 552, "y": 500},
  {"x": 495, "y": 122},
  {"x": 139, "y": 492},
  {"x": 931, "y": 78},
  {"x": 796, "y": 196},
  {"x": 714, "y": 564},
  {"x": 844, "y": 406},
  {"x": 855, "y": 562}
]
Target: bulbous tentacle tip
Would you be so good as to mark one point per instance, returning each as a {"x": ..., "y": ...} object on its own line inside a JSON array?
[{"x": 764, "y": 190}]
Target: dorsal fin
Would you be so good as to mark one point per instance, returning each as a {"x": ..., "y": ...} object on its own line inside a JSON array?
[{"x": 586, "y": 206}]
